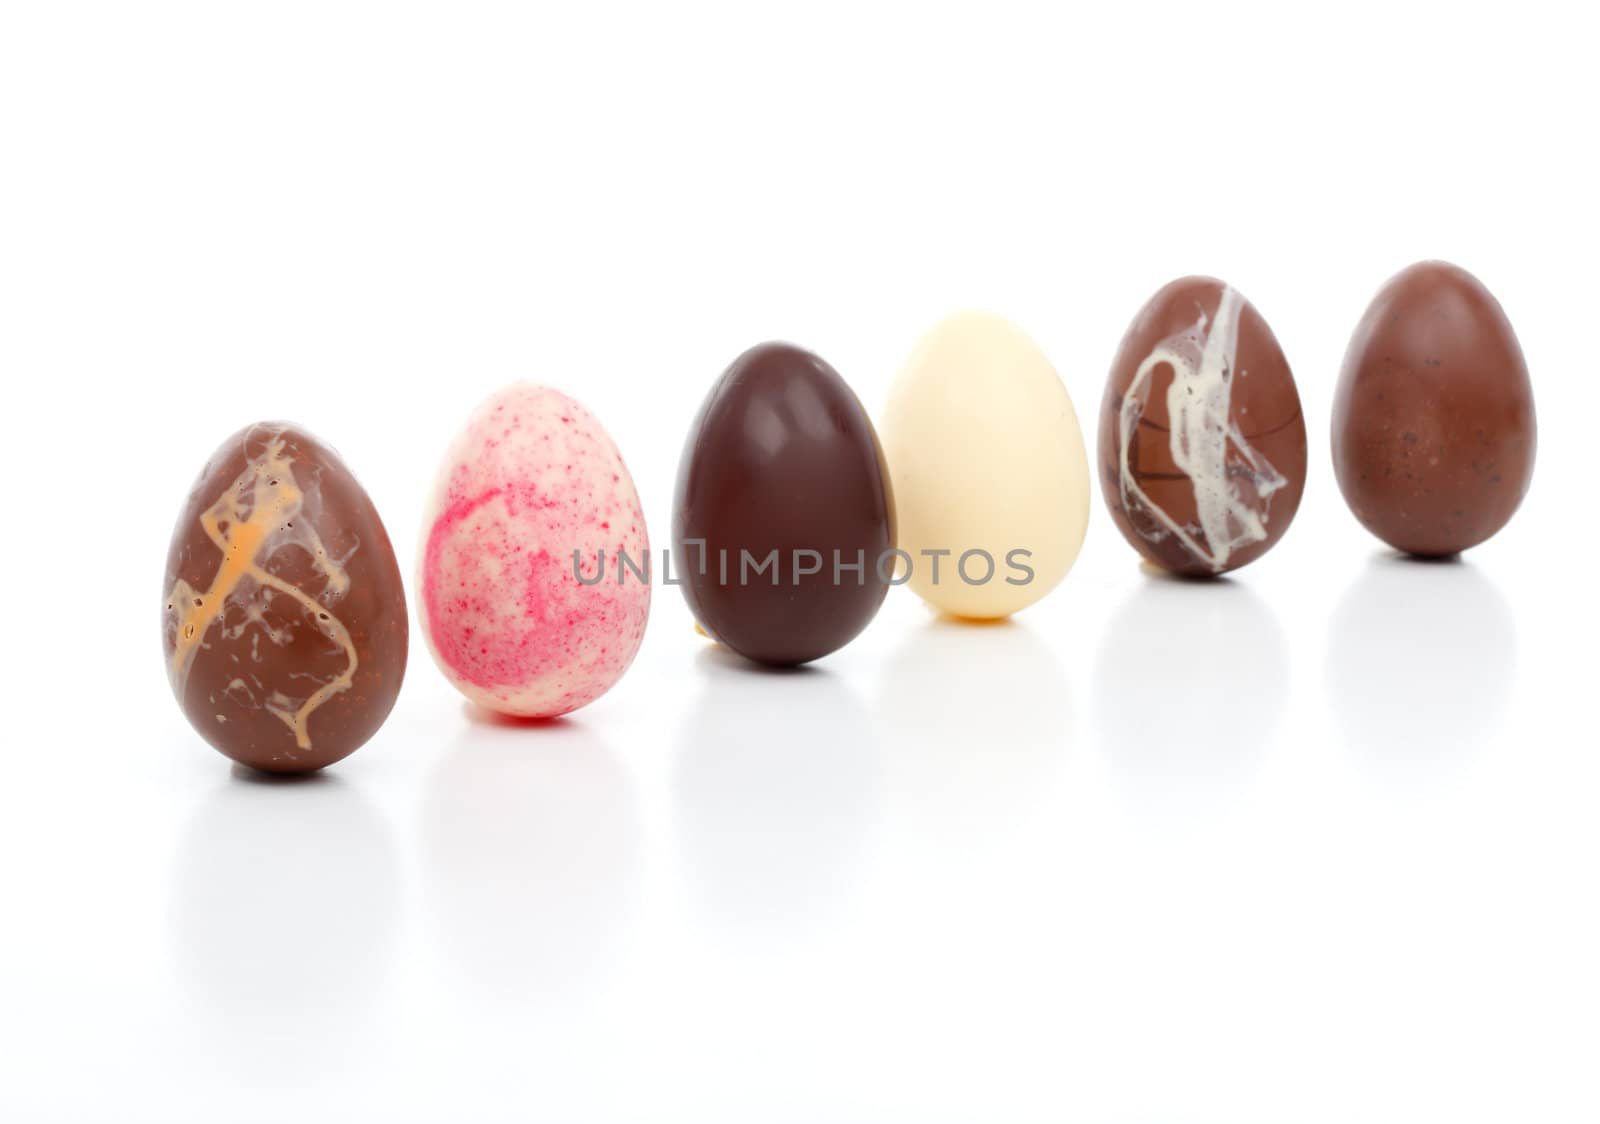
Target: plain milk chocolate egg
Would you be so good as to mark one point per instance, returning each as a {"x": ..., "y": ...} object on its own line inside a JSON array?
[
  {"x": 1202, "y": 442},
  {"x": 1433, "y": 425},
  {"x": 284, "y": 624}
]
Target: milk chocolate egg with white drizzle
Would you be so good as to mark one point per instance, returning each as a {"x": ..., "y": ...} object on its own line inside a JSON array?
[
  {"x": 284, "y": 618},
  {"x": 1202, "y": 442}
]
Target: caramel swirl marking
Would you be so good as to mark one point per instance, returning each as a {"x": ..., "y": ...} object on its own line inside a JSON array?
[{"x": 255, "y": 517}]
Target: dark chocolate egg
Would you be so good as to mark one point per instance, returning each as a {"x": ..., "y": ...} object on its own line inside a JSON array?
[
  {"x": 284, "y": 619},
  {"x": 1202, "y": 443},
  {"x": 1433, "y": 427},
  {"x": 783, "y": 526}
]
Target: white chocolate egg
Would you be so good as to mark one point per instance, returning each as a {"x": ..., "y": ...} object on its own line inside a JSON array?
[{"x": 991, "y": 482}]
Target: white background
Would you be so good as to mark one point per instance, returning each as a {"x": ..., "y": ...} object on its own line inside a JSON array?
[{"x": 1315, "y": 844}]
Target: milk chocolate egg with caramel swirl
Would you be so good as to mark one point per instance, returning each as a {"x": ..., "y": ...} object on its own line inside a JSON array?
[
  {"x": 1202, "y": 442},
  {"x": 284, "y": 618}
]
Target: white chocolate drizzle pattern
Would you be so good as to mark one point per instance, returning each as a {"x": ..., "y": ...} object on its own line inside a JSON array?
[
  {"x": 1201, "y": 430},
  {"x": 255, "y": 517}
]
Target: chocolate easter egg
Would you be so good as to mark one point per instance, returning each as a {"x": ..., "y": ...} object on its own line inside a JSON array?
[
  {"x": 284, "y": 624},
  {"x": 533, "y": 574},
  {"x": 783, "y": 525},
  {"x": 1202, "y": 442},
  {"x": 991, "y": 480},
  {"x": 1433, "y": 425}
]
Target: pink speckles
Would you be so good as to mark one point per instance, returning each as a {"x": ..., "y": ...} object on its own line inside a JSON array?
[
  {"x": 434, "y": 544},
  {"x": 498, "y": 620},
  {"x": 531, "y": 480},
  {"x": 530, "y": 497}
]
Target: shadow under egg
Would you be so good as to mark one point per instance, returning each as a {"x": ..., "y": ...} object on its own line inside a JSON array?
[
  {"x": 530, "y": 841},
  {"x": 479, "y": 715},
  {"x": 718, "y": 659},
  {"x": 283, "y": 920},
  {"x": 1420, "y": 663},
  {"x": 1191, "y": 680},
  {"x": 776, "y": 790}
]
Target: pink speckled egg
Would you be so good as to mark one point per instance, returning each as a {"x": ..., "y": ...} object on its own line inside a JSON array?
[{"x": 533, "y": 546}]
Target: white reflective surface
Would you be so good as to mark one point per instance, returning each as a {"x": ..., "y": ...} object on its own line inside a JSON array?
[{"x": 954, "y": 872}]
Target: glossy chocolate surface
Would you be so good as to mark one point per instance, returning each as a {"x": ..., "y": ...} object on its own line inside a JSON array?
[
  {"x": 783, "y": 458},
  {"x": 1433, "y": 423},
  {"x": 284, "y": 619},
  {"x": 1202, "y": 442}
]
